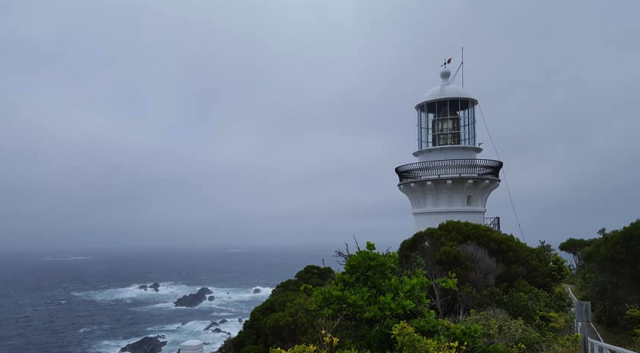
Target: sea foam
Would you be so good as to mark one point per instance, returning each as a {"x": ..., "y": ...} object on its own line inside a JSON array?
[
  {"x": 232, "y": 304},
  {"x": 177, "y": 333},
  {"x": 169, "y": 292}
]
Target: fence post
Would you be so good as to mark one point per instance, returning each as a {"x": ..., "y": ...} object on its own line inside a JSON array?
[{"x": 583, "y": 316}]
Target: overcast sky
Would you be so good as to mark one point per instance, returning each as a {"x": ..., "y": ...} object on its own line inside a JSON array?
[{"x": 279, "y": 123}]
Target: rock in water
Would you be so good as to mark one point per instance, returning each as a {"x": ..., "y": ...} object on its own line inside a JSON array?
[
  {"x": 189, "y": 301},
  {"x": 145, "y": 345},
  {"x": 211, "y": 298},
  {"x": 212, "y": 324},
  {"x": 256, "y": 290},
  {"x": 155, "y": 286},
  {"x": 194, "y": 299},
  {"x": 223, "y": 321}
]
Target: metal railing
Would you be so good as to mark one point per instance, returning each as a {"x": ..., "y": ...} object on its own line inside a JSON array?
[
  {"x": 601, "y": 347},
  {"x": 493, "y": 222},
  {"x": 582, "y": 312},
  {"x": 487, "y": 168}
]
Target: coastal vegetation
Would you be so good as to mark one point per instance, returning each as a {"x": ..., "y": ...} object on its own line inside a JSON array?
[
  {"x": 460, "y": 287},
  {"x": 606, "y": 274}
]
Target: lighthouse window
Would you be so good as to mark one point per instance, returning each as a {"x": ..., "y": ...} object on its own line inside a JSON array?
[
  {"x": 423, "y": 132},
  {"x": 446, "y": 122},
  {"x": 431, "y": 115},
  {"x": 446, "y": 125}
]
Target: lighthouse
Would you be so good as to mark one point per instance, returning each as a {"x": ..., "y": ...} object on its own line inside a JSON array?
[{"x": 449, "y": 181}]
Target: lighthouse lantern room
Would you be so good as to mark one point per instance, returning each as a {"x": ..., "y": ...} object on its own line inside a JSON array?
[{"x": 449, "y": 181}]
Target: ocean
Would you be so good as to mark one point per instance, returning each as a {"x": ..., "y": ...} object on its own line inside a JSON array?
[{"x": 90, "y": 302}]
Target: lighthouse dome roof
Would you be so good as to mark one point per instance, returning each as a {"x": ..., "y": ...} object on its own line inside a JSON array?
[{"x": 445, "y": 90}]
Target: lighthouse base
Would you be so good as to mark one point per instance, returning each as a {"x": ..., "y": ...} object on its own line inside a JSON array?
[
  {"x": 458, "y": 199},
  {"x": 423, "y": 219}
]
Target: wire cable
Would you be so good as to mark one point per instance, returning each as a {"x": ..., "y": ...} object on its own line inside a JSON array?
[
  {"x": 504, "y": 174},
  {"x": 453, "y": 78}
]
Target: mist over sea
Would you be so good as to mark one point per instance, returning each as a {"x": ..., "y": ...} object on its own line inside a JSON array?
[{"x": 90, "y": 302}]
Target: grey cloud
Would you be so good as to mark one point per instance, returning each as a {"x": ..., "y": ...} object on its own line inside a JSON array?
[{"x": 279, "y": 123}]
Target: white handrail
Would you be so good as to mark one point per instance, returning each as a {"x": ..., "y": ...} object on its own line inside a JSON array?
[
  {"x": 594, "y": 346},
  {"x": 605, "y": 347}
]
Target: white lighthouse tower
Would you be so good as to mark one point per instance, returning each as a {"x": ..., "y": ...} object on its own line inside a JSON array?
[{"x": 449, "y": 181}]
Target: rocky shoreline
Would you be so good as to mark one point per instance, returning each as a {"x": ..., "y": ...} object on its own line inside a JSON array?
[{"x": 154, "y": 344}]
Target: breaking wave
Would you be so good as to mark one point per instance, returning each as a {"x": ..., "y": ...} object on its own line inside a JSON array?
[
  {"x": 232, "y": 305},
  {"x": 176, "y": 333},
  {"x": 170, "y": 291}
]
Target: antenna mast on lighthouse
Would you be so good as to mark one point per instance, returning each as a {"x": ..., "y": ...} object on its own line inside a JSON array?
[{"x": 459, "y": 69}]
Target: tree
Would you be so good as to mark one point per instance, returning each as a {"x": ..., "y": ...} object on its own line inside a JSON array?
[
  {"x": 449, "y": 245},
  {"x": 284, "y": 319},
  {"x": 370, "y": 296},
  {"x": 575, "y": 247},
  {"x": 487, "y": 264},
  {"x": 485, "y": 267},
  {"x": 609, "y": 273},
  {"x": 380, "y": 302}
]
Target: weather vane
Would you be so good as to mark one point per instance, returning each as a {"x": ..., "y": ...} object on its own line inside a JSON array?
[{"x": 446, "y": 62}]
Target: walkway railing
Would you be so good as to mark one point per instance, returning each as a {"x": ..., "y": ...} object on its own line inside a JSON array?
[
  {"x": 448, "y": 168},
  {"x": 601, "y": 347},
  {"x": 582, "y": 311}
]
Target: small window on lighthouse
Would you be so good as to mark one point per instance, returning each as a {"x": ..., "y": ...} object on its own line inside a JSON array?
[{"x": 469, "y": 200}]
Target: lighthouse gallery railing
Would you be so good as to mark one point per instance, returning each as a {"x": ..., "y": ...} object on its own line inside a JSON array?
[{"x": 449, "y": 168}]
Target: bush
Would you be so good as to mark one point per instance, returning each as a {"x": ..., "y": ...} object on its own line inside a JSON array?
[{"x": 284, "y": 319}]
